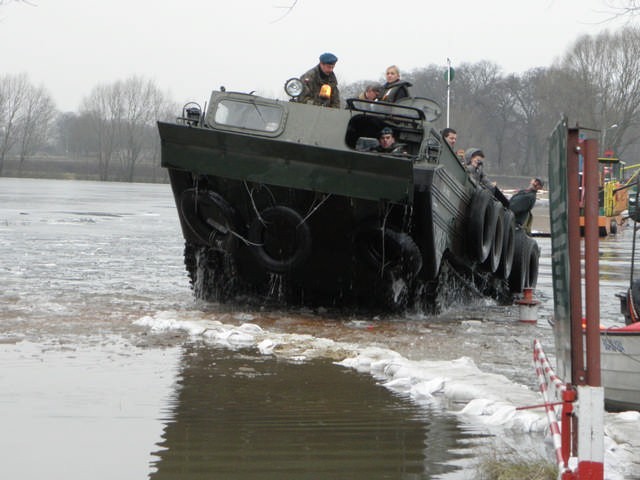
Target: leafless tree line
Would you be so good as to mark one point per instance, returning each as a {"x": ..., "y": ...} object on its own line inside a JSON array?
[
  {"x": 120, "y": 122},
  {"x": 116, "y": 125},
  {"x": 596, "y": 84},
  {"x": 26, "y": 116}
]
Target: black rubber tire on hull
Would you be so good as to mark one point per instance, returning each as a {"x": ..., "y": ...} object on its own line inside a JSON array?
[
  {"x": 387, "y": 250},
  {"x": 210, "y": 217},
  {"x": 497, "y": 238},
  {"x": 394, "y": 259},
  {"x": 280, "y": 239},
  {"x": 534, "y": 262},
  {"x": 508, "y": 244},
  {"x": 524, "y": 271},
  {"x": 482, "y": 224},
  {"x": 211, "y": 273}
]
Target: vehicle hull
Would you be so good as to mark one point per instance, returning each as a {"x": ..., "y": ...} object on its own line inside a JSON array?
[{"x": 283, "y": 217}]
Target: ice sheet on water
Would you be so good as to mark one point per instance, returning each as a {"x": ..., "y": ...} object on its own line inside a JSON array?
[{"x": 478, "y": 398}]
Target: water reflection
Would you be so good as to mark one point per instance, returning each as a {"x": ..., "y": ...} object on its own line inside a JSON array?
[
  {"x": 84, "y": 261},
  {"x": 244, "y": 416}
]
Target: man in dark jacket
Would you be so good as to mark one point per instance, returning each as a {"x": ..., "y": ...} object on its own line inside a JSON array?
[
  {"x": 523, "y": 201},
  {"x": 321, "y": 84}
]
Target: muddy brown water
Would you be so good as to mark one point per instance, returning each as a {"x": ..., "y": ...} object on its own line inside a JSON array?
[{"x": 89, "y": 392}]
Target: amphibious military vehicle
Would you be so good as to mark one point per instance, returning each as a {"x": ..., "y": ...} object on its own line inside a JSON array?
[{"x": 287, "y": 202}]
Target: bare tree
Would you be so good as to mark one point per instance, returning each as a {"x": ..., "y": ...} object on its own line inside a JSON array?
[
  {"x": 287, "y": 10},
  {"x": 120, "y": 115},
  {"x": 607, "y": 69},
  {"x": 13, "y": 94},
  {"x": 74, "y": 135},
  {"x": 476, "y": 104},
  {"x": 102, "y": 109},
  {"x": 142, "y": 103},
  {"x": 535, "y": 115},
  {"x": 165, "y": 111},
  {"x": 37, "y": 117},
  {"x": 624, "y": 8}
]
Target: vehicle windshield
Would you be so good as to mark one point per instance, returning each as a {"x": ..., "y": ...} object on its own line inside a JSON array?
[
  {"x": 249, "y": 115},
  {"x": 415, "y": 108},
  {"x": 384, "y": 108}
]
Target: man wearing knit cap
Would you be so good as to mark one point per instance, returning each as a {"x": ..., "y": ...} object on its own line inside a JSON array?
[{"x": 321, "y": 84}]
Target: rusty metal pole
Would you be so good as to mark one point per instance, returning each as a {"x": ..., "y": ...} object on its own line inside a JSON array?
[
  {"x": 578, "y": 373},
  {"x": 591, "y": 262}
]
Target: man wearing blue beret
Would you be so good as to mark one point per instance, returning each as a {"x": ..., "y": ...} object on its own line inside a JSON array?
[{"x": 321, "y": 84}]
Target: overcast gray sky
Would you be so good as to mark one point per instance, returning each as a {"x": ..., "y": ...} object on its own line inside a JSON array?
[{"x": 190, "y": 47}]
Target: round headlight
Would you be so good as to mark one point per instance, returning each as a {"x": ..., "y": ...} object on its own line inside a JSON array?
[{"x": 293, "y": 87}]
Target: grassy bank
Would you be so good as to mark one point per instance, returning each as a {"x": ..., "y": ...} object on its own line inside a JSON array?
[
  {"x": 86, "y": 168},
  {"x": 81, "y": 168},
  {"x": 508, "y": 467}
]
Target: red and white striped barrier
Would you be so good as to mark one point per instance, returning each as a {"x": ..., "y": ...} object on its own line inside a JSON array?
[
  {"x": 590, "y": 431},
  {"x": 546, "y": 376}
]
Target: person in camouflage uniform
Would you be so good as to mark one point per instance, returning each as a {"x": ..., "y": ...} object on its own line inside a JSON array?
[{"x": 321, "y": 84}]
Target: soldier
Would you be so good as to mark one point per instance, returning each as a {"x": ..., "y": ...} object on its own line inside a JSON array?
[
  {"x": 387, "y": 143},
  {"x": 321, "y": 84}
]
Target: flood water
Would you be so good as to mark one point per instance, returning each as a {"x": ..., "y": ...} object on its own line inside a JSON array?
[{"x": 110, "y": 369}]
